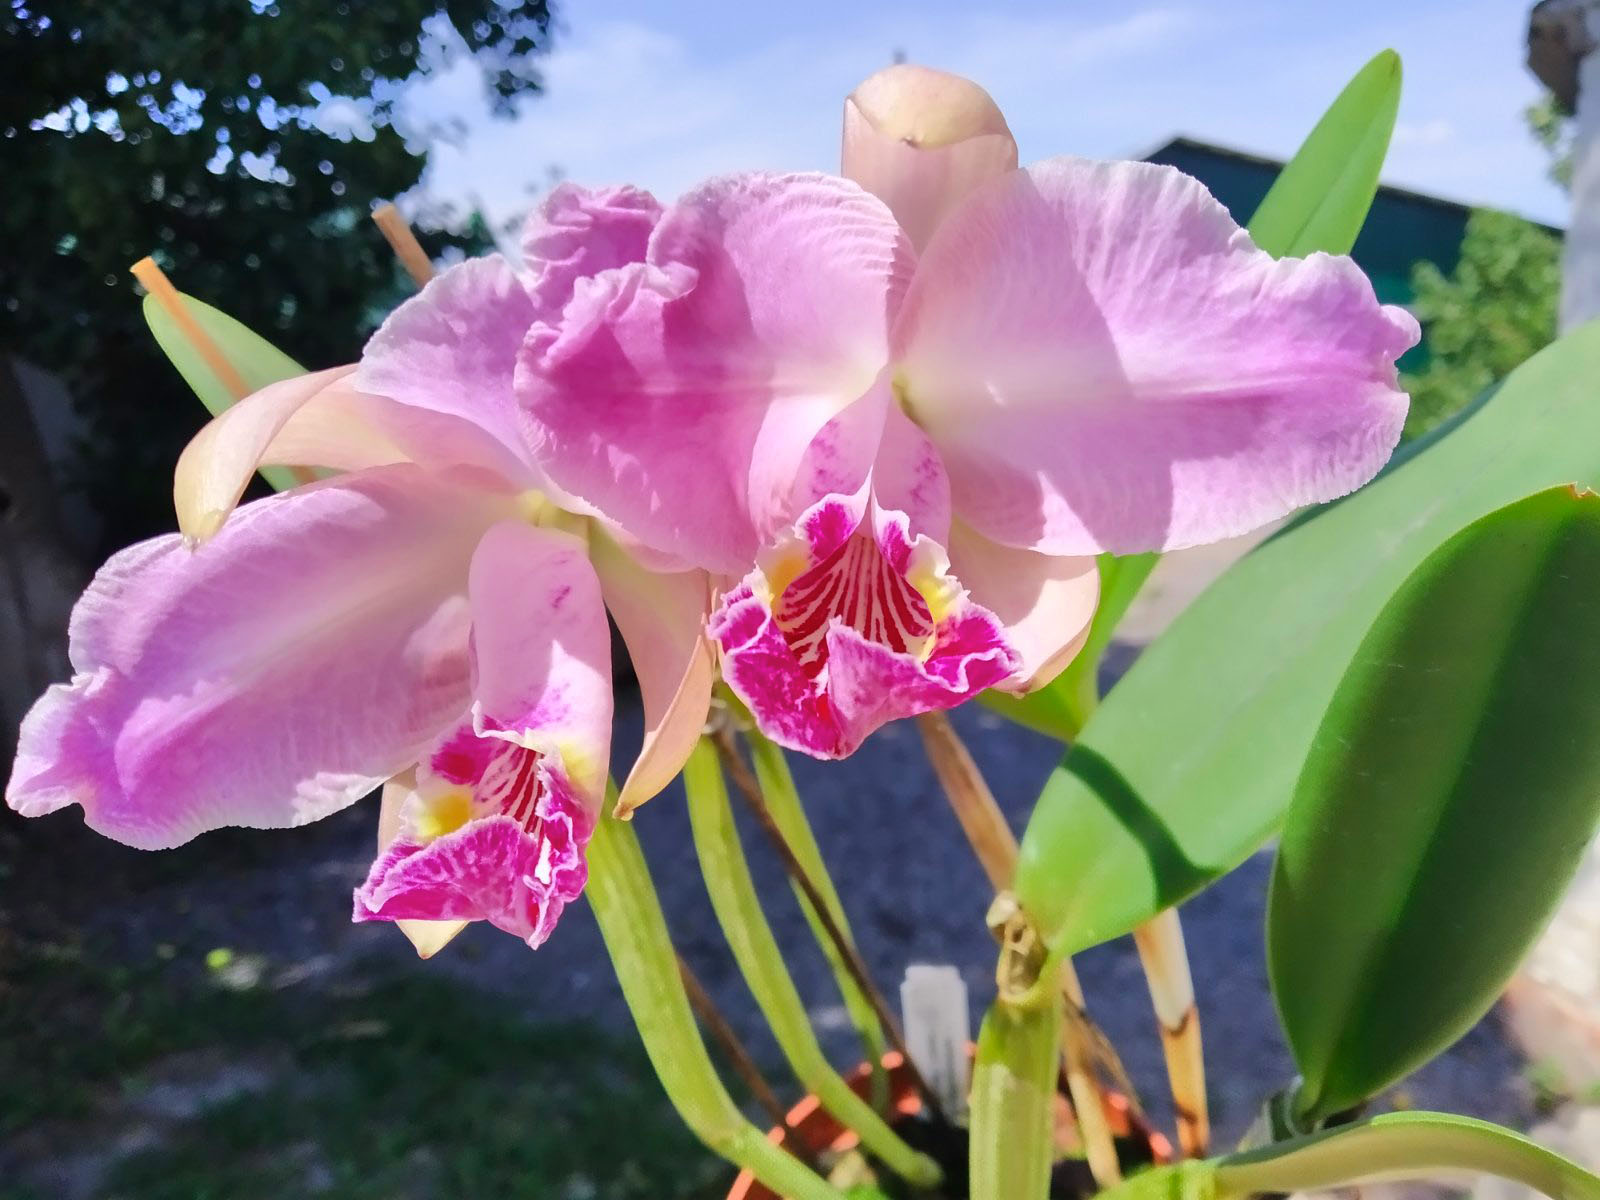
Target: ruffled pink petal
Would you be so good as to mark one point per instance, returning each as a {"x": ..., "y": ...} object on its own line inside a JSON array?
[
  {"x": 923, "y": 140},
  {"x": 493, "y": 830},
  {"x": 309, "y": 651},
  {"x": 427, "y": 938},
  {"x": 662, "y": 618},
  {"x": 452, "y": 349},
  {"x": 1045, "y": 602},
  {"x": 217, "y": 464},
  {"x": 542, "y": 651},
  {"x": 1106, "y": 363},
  {"x": 679, "y": 396},
  {"x": 865, "y": 628},
  {"x": 578, "y": 232}
]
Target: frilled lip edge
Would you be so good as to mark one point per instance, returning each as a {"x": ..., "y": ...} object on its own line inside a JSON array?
[
  {"x": 491, "y": 869},
  {"x": 865, "y": 685}
]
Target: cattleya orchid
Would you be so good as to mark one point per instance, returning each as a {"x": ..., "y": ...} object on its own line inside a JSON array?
[
  {"x": 863, "y": 435},
  {"x": 433, "y": 616},
  {"x": 897, "y": 415}
]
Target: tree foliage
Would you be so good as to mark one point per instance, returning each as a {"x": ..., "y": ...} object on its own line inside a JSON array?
[
  {"x": 1494, "y": 311},
  {"x": 242, "y": 143}
]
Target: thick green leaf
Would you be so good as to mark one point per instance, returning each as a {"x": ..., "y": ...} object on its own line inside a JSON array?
[
  {"x": 1318, "y": 202},
  {"x": 1188, "y": 765},
  {"x": 1320, "y": 199},
  {"x": 1412, "y": 1145},
  {"x": 257, "y": 360},
  {"x": 1391, "y": 1147},
  {"x": 1449, "y": 795}
]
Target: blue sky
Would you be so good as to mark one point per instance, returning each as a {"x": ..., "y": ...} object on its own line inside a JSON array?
[{"x": 662, "y": 95}]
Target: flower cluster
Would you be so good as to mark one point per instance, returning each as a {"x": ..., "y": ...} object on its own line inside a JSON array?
[{"x": 851, "y": 442}]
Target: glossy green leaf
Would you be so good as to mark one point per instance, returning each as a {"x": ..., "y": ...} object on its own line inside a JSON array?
[
  {"x": 1449, "y": 795},
  {"x": 1412, "y": 1145},
  {"x": 1395, "y": 1146},
  {"x": 1321, "y": 197},
  {"x": 257, "y": 360},
  {"x": 1318, "y": 202},
  {"x": 1189, "y": 763}
]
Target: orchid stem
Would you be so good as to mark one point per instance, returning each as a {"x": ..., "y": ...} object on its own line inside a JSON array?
[
  {"x": 739, "y": 1058},
  {"x": 403, "y": 242},
  {"x": 783, "y": 803},
  {"x": 750, "y": 790},
  {"x": 635, "y": 932},
  {"x": 1166, "y": 968},
  {"x": 996, "y": 847},
  {"x": 755, "y": 949}
]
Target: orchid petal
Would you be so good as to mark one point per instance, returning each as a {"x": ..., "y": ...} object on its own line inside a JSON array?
[
  {"x": 452, "y": 349},
  {"x": 1045, "y": 602},
  {"x": 427, "y": 938},
  {"x": 219, "y": 462},
  {"x": 850, "y": 624},
  {"x": 1106, "y": 363},
  {"x": 578, "y": 232},
  {"x": 923, "y": 140},
  {"x": 542, "y": 650},
  {"x": 662, "y": 619},
  {"x": 679, "y": 396},
  {"x": 308, "y": 652},
  {"x": 908, "y": 477},
  {"x": 319, "y": 420},
  {"x": 493, "y": 869},
  {"x": 504, "y": 804}
]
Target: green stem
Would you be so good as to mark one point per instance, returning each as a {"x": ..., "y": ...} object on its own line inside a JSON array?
[
  {"x": 733, "y": 896},
  {"x": 783, "y": 802},
  {"x": 1013, "y": 1100},
  {"x": 1403, "y": 1146},
  {"x": 635, "y": 932}
]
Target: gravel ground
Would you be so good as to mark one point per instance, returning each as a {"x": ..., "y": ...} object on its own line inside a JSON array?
[{"x": 910, "y": 885}]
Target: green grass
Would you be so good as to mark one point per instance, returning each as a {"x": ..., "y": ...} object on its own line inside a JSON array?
[{"x": 414, "y": 1086}]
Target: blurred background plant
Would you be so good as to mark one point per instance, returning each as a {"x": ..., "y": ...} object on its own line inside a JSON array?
[
  {"x": 1497, "y": 308},
  {"x": 237, "y": 143}
]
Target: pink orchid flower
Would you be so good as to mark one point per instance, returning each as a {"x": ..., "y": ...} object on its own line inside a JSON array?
[
  {"x": 897, "y": 426},
  {"x": 435, "y": 612}
]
